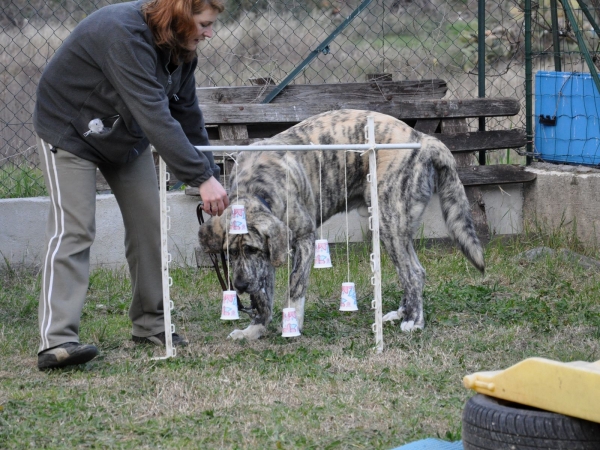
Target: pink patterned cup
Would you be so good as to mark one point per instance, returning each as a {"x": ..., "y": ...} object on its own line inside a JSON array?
[
  {"x": 229, "y": 310},
  {"x": 290, "y": 323},
  {"x": 322, "y": 257},
  {"x": 348, "y": 300},
  {"x": 237, "y": 224}
]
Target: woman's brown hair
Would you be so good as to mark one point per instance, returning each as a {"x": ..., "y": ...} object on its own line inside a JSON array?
[{"x": 172, "y": 24}]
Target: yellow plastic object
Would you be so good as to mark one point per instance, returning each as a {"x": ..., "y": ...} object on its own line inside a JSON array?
[{"x": 571, "y": 388}]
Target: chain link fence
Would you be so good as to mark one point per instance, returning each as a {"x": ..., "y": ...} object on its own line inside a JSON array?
[{"x": 406, "y": 39}]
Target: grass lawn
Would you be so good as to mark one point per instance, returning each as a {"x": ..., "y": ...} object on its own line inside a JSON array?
[{"x": 326, "y": 389}]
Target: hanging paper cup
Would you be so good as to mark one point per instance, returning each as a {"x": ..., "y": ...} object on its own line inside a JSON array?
[
  {"x": 348, "y": 301},
  {"x": 229, "y": 310},
  {"x": 238, "y": 220},
  {"x": 322, "y": 257},
  {"x": 290, "y": 323}
]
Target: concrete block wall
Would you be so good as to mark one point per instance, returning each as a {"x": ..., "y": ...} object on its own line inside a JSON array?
[
  {"x": 23, "y": 221},
  {"x": 565, "y": 195}
]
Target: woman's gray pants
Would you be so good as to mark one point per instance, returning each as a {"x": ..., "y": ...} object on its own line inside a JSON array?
[{"x": 70, "y": 232}]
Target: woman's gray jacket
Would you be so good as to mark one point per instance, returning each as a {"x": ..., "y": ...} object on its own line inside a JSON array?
[{"x": 109, "y": 69}]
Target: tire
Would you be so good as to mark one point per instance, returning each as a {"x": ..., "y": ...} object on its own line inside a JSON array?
[{"x": 493, "y": 424}]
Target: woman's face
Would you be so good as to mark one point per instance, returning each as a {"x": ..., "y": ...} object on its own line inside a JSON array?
[{"x": 204, "y": 27}]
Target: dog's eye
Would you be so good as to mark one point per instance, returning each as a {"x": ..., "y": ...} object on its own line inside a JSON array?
[
  {"x": 250, "y": 250},
  {"x": 233, "y": 252}
]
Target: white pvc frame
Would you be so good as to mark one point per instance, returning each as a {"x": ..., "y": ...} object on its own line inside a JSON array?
[
  {"x": 375, "y": 257},
  {"x": 167, "y": 281}
]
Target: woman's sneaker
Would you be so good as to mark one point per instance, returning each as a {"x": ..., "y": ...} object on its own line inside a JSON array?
[
  {"x": 159, "y": 339},
  {"x": 68, "y": 354}
]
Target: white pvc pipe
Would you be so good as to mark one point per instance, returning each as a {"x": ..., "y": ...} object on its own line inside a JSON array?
[
  {"x": 165, "y": 260},
  {"x": 374, "y": 226},
  {"x": 301, "y": 148}
]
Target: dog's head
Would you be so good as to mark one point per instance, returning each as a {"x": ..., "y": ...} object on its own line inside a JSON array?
[{"x": 254, "y": 255}]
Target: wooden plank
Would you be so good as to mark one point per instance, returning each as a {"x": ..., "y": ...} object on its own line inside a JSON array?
[
  {"x": 427, "y": 126},
  {"x": 479, "y": 176},
  {"x": 233, "y": 142},
  {"x": 374, "y": 91},
  {"x": 233, "y": 132},
  {"x": 255, "y": 130},
  {"x": 457, "y": 143},
  {"x": 497, "y": 174},
  {"x": 406, "y": 110},
  {"x": 454, "y": 126},
  {"x": 483, "y": 140},
  {"x": 230, "y": 132}
]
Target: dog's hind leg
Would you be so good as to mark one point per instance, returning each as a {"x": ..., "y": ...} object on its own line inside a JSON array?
[
  {"x": 412, "y": 278},
  {"x": 404, "y": 201}
]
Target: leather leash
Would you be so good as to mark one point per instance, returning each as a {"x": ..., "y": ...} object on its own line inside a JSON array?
[{"x": 226, "y": 286}]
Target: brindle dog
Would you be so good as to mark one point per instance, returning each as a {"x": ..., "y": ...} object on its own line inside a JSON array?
[{"x": 283, "y": 197}]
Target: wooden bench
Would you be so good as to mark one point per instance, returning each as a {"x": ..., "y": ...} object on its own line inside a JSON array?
[{"x": 235, "y": 116}]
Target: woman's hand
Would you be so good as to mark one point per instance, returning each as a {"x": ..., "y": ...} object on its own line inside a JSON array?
[{"x": 214, "y": 197}]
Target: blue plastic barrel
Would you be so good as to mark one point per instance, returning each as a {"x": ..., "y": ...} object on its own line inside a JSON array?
[{"x": 567, "y": 118}]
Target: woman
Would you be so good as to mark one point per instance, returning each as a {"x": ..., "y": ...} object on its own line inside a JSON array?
[{"x": 123, "y": 79}]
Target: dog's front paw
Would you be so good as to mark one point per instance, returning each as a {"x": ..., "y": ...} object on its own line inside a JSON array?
[
  {"x": 237, "y": 335},
  {"x": 252, "y": 333},
  {"x": 411, "y": 325},
  {"x": 394, "y": 315}
]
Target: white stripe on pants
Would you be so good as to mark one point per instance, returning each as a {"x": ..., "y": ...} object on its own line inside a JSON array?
[{"x": 70, "y": 232}]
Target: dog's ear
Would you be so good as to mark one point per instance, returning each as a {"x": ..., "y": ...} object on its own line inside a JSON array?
[
  {"x": 212, "y": 235},
  {"x": 276, "y": 233}
]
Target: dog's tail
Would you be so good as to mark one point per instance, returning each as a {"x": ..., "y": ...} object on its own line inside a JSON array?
[{"x": 455, "y": 205}]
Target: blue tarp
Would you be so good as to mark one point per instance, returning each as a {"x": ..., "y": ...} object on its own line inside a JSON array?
[{"x": 431, "y": 444}]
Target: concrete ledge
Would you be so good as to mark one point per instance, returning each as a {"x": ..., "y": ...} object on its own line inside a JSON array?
[
  {"x": 503, "y": 205},
  {"x": 23, "y": 221},
  {"x": 565, "y": 195},
  {"x": 561, "y": 195}
]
